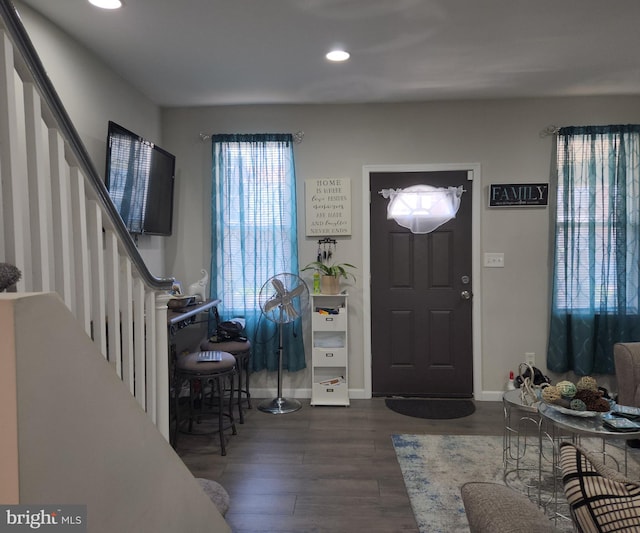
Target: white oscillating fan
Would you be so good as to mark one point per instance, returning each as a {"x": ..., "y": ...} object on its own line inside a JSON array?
[{"x": 283, "y": 299}]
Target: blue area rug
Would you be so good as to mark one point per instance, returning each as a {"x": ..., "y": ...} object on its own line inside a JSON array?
[{"x": 434, "y": 468}]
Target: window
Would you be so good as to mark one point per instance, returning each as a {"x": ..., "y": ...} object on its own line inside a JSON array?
[
  {"x": 422, "y": 208},
  {"x": 596, "y": 280},
  {"x": 256, "y": 217},
  {"x": 588, "y": 226},
  {"x": 254, "y": 234}
]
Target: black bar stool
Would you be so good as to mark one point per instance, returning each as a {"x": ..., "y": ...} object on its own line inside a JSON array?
[
  {"x": 241, "y": 350},
  {"x": 206, "y": 370}
]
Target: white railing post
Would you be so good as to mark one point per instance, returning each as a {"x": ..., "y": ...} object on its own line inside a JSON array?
[
  {"x": 81, "y": 249},
  {"x": 62, "y": 230},
  {"x": 13, "y": 187},
  {"x": 150, "y": 362},
  {"x": 139, "y": 332},
  {"x": 39, "y": 192},
  {"x": 98, "y": 298},
  {"x": 113, "y": 301},
  {"x": 162, "y": 365},
  {"x": 127, "y": 322}
]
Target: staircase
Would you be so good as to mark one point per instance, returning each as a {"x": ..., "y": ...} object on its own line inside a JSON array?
[{"x": 60, "y": 228}]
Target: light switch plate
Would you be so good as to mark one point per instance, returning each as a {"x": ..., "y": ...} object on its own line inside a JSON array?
[{"x": 493, "y": 260}]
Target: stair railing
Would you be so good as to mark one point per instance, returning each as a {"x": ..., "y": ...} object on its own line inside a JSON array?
[{"x": 61, "y": 229}]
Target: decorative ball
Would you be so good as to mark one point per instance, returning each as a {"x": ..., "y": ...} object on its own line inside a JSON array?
[
  {"x": 587, "y": 383},
  {"x": 601, "y": 406},
  {"x": 567, "y": 389},
  {"x": 551, "y": 394},
  {"x": 578, "y": 405},
  {"x": 593, "y": 400}
]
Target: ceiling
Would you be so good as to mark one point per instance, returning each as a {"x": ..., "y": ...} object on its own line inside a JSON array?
[{"x": 221, "y": 52}]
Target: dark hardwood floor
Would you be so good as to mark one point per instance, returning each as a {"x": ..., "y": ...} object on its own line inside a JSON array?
[{"x": 321, "y": 469}]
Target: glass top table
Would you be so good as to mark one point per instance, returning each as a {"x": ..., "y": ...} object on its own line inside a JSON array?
[
  {"x": 513, "y": 398},
  {"x": 520, "y": 449},
  {"x": 537, "y": 473},
  {"x": 590, "y": 426},
  {"x": 557, "y": 426}
]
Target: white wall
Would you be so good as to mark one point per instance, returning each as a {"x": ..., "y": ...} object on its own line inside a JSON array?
[
  {"x": 502, "y": 136},
  {"x": 82, "y": 438},
  {"x": 92, "y": 94}
]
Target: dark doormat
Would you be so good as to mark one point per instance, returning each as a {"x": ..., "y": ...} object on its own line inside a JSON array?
[{"x": 431, "y": 408}]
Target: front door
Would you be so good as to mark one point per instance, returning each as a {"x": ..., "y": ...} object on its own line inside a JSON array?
[{"x": 421, "y": 290}]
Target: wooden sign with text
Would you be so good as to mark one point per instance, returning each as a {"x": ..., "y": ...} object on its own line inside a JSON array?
[
  {"x": 328, "y": 206},
  {"x": 518, "y": 194}
]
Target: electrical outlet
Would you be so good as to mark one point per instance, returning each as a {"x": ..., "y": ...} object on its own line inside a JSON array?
[
  {"x": 494, "y": 260},
  {"x": 530, "y": 358}
]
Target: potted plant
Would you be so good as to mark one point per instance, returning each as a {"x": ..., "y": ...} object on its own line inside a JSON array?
[{"x": 330, "y": 275}]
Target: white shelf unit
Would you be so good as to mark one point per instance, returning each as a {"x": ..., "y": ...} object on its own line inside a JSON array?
[{"x": 330, "y": 340}]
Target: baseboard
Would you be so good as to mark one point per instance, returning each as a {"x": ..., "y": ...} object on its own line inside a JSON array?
[
  {"x": 357, "y": 394},
  {"x": 286, "y": 393},
  {"x": 354, "y": 394},
  {"x": 489, "y": 396}
]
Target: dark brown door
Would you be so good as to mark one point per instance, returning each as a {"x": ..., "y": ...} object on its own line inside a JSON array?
[{"x": 421, "y": 291}]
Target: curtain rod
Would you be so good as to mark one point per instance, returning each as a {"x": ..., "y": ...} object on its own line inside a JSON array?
[
  {"x": 549, "y": 130},
  {"x": 297, "y": 136}
]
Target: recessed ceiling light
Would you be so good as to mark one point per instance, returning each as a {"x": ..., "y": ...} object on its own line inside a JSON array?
[
  {"x": 106, "y": 4},
  {"x": 338, "y": 55}
]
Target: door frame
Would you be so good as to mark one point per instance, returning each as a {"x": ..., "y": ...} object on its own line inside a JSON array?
[{"x": 475, "y": 182}]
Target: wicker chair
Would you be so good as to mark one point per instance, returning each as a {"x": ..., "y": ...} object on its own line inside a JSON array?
[{"x": 627, "y": 360}]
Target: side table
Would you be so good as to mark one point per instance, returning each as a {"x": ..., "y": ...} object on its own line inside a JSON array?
[
  {"x": 556, "y": 426},
  {"x": 560, "y": 425},
  {"x": 522, "y": 449}
]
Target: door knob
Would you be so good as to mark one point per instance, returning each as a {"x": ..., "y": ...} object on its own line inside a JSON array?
[{"x": 466, "y": 295}]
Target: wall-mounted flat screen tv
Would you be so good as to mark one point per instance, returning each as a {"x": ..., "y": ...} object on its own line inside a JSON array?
[{"x": 140, "y": 179}]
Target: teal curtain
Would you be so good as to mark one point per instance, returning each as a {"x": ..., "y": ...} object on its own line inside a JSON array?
[
  {"x": 596, "y": 287},
  {"x": 254, "y": 237}
]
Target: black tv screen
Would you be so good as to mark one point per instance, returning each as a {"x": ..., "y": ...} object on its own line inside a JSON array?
[{"x": 140, "y": 179}]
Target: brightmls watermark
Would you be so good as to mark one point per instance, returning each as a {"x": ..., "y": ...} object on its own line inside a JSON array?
[{"x": 46, "y": 518}]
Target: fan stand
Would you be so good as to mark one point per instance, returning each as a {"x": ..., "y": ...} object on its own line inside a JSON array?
[{"x": 280, "y": 405}]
